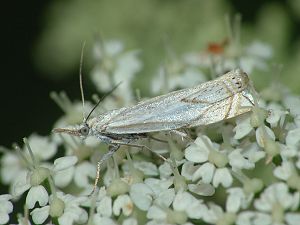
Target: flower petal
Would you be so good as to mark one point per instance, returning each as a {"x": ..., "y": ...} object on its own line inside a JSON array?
[
  {"x": 105, "y": 207},
  {"x": 147, "y": 168},
  {"x": 206, "y": 172},
  {"x": 202, "y": 189},
  {"x": 83, "y": 172},
  {"x": 64, "y": 177},
  {"x": 21, "y": 183},
  {"x": 37, "y": 194},
  {"x": 292, "y": 218},
  {"x": 222, "y": 176},
  {"x": 141, "y": 195},
  {"x": 124, "y": 203},
  {"x": 165, "y": 198},
  {"x": 63, "y": 163},
  {"x": 242, "y": 128},
  {"x": 155, "y": 212},
  {"x": 4, "y": 218},
  {"x": 39, "y": 215},
  {"x": 261, "y": 135}
]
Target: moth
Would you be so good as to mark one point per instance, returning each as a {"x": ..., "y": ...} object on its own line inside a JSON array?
[{"x": 225, "y": 97}]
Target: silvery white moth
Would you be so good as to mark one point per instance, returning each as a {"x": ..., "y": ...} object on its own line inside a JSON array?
[{"x": 225, "y": 97}]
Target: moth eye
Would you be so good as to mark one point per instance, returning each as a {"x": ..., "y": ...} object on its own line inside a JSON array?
[{"x": 84, "y": 131}]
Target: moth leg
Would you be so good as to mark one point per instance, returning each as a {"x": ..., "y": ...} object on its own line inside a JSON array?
[
  {"x": 139, "y": 146},
  {"x": 112, "y": 149},
  {"x": 157, "y": 139},
  {"x": 182, "y": 134},
  {"x": 243, "y": 109}
]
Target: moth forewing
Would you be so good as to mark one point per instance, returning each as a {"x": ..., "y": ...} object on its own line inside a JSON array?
[{"x": 204, "y": 104}]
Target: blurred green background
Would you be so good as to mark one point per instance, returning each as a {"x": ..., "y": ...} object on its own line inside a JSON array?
[{"x": 43, "y": 40}]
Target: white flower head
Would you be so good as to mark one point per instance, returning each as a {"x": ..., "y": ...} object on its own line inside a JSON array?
[
  {"x": 70, "y": 213},
  {"x": 170, "y": 77},
  {"x": 276, "y": 205},
  {"x": 246, "y": 157},
  {"x": 277, "y": 195},
  {"x": 123, "y": 204},
  {"x": 214, "y": 161},
  {"x": 237, "y": 200},
  {"x": 6, "y": 207},
  {"x": 116, "y": 65},
  {"x": 12, "y": 165}
]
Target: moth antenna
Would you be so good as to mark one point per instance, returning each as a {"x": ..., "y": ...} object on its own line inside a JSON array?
[
  {"x": 102, "y": 98},
  {"x": 80, "y": 81}
]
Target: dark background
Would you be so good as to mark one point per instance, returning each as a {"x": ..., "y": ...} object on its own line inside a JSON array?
[{"x": 24, "y": 94}]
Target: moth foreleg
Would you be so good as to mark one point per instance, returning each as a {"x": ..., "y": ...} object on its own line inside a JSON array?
[{"x": 112, "y": 149}]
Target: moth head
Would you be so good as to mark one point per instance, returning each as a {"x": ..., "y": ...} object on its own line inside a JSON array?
[
  {"x": 240, "y": 79},
  {"x": 83, "y": 131}
]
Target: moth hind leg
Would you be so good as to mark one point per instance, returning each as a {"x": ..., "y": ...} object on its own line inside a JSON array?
[{"x": 139, "y": 146}]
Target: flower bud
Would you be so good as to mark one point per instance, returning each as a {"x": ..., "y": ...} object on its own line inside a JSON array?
[
  {"x": 57, "y": 207},
  {"x": 117, "y": 187}
]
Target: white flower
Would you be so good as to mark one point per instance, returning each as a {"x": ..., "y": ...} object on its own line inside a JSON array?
[
  {"x": 184, "y": 205},
  {"x": 141, "y": 195},
  {"x": 104, "y": 207},
  {"x": 292, "y": 103},
  {"x": 83, "y": 172},
  {"x": 32, "y": 180},
  {"x": 201, "y": 188},
  {"x": 276, "y": 113},
  {"x": 70, "y": 213},
  {"x": 253, "y": 218},
  {"x": 245, "y": 158},
  {"x": 213, "y": 168},
  {"x": 277, "y": 195},
  {"x": 116, "y": 66},
  {"x": 165, "y": 170},
  {"x": 184, "y": 201},
  {"x": 157, "y": 186},
  {"x": 292, "y": 144},
  {"x": 123, "y": 203},
  {"x": 148, "y": 168},
  {"x": 36, "y": 194},
  {"x": 42, "y": 147},
  {"x": 213, "y": 213},
  {"x": 253, "y": 56},
  {"x": 11, "y": 165},
  {"x": 284, "y": 171},
  {"x": 243, "y": 127},
  {"x": 170, "y": 77},
  {"x": 6, "y": 207},
  {"x": 275, "y": 205},
  {"x": 237, "y": 199}
]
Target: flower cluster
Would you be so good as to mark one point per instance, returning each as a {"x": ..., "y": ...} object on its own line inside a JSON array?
[{"x": 240, "y": 171}]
